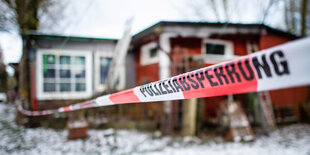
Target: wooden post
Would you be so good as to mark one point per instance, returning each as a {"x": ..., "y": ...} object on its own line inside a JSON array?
[
  {"x": 167, "y": 124},
  {"x": 189, "y": 117}
]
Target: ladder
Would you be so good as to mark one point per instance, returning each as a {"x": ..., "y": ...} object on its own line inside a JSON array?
[
  {"x": 267, "y": 114},
  {"x": 264, "y": 100}
]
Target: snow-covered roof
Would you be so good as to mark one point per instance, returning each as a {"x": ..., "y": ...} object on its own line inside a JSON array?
[{"x": 157, "y": 28}]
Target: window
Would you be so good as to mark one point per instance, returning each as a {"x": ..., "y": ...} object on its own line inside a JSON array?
[
  {"x": 149, "y": 54},
  {"x": 105, "y": 63},
  {"x": 215, "y": 51},
  {"x": 68, "y": 75},
  {"x": 49, "y": 73},
  {"x": 63, "y": 74},
  {"x": 218, "y": 49},
  {"x": 153, "y": 52}
]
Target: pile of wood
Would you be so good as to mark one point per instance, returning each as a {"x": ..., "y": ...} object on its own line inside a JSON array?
[{"x": 237, "y": 124}]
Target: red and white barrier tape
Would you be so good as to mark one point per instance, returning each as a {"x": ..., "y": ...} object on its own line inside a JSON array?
[{"x": 283, "y": 66}]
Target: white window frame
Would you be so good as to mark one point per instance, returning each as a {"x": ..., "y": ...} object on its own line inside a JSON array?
[
  {"x": 214, "y": 58},
  {"x": 145, "y": 58},
  {"x": 107, "y": 54},
  {"x": 41, "y": 95}
]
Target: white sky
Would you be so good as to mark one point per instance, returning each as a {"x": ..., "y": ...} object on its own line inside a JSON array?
[{"x": 106, "y": 18}]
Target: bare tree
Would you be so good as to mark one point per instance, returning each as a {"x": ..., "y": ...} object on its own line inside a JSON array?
[
  {"x": 296, "y": 13},
  {"x": 25, "y": 16},
  {"x": 3, "y": 74},
  {"x": 305, "y": 15},
  {"x": 290, "y": 19},
  {"x": 228, "y": 11},
  {"x": 266, "y": 9}
]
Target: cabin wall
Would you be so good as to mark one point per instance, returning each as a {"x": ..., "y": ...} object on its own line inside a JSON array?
[
  {"x": 290, "y": 98},
  {"x": 57, "y": 44},
  {"x": 145, "y": 73}
]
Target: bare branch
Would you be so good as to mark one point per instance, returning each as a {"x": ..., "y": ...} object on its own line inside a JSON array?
[
  {"x": 225, "y": 6},
  {"x": 215, "y": 10}
]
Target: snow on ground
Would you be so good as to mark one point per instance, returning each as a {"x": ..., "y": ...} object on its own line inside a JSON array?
[{"x": 294, "y": 139}]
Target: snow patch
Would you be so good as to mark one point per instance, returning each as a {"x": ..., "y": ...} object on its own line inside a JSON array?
[{"x": 294, "y": 139}]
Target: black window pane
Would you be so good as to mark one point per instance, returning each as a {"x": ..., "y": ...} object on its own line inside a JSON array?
[
  {"x": 80, "y": 73},
  {"x": 80, "y": 87},
  {"x": 153, "y": 52},
  {"x": 104, "y": 68},
  {"x": 218, "y": 49},
  {"x": 80, "y": 60},
  {"x": 49, "y": 73},
  {"x": 65, "y": 87},
  {"x": 65, "y": 73},
  {"x": 49, "y": 87},
  {"x": 65, "y": 60}
]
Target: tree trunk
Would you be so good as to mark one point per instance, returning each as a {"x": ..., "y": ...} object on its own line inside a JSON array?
[
  {"x": 303, "y": 21},
  {"x": 23, "y": 81},
  {"x": 292, "y": 12}
]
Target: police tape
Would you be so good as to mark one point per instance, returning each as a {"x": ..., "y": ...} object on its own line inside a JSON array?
[{"x": 283, "y": 66}]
